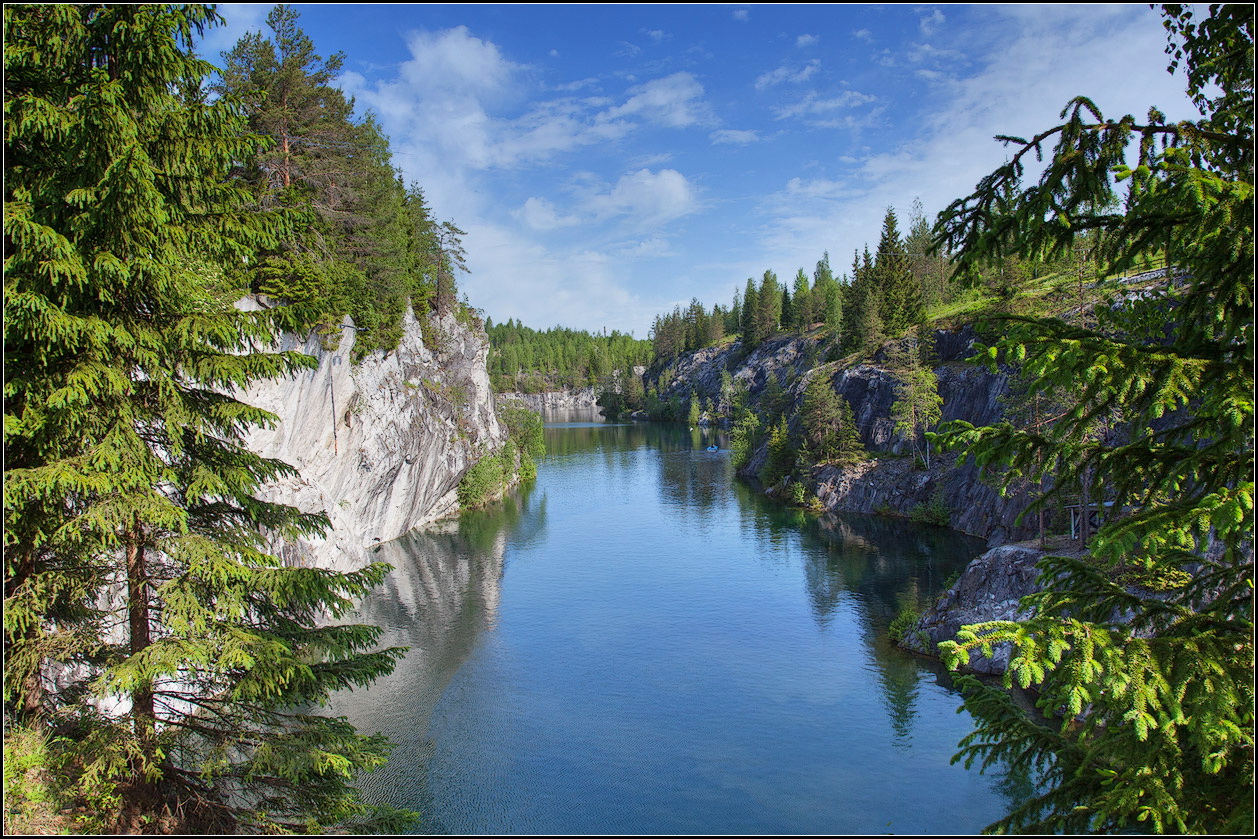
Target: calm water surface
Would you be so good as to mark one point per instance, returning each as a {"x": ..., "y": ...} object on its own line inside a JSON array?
[{"x": 638, "y": 643}]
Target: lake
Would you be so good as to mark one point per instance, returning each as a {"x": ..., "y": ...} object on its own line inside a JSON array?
[{"x": 640, "y": 643}]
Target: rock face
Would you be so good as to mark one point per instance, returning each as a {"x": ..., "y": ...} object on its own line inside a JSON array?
[
  {"x": 988, "y": 590},
  {"x": 888, "y": 482},
  {"x": 380, "y": 445},
  {"x": 580, "y": 399}
]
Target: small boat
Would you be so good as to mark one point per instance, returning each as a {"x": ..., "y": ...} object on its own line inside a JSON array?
[{"x": 714, "y": 448}]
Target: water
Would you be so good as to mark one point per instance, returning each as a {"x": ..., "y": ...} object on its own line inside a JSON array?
[{"x": 639, "y": 643}]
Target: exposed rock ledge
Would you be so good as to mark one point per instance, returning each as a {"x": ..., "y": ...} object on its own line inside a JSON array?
[
  {"x": 988, "y": 590},
  {"x": 381, "y": 445},
  {"x": 580, "y": 399}
]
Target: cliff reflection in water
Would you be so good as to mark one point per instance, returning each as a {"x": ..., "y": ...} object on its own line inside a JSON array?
[
  {"x": 442, "y": 595},
  {"x": 642, "y": 644}
]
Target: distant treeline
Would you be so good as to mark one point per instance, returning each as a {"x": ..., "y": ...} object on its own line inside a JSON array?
[
  {"x": 526, "y": 360},
  {"x": 885, "y": 293}
]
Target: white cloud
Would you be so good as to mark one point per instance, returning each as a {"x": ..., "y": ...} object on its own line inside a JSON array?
[
  {"x": 807, "y": 40},
  {"x": 733, "y": 137},
  {"x": 653, "y": 248},
  {"x": 787, "y": 74},
  {"x": 647, "y": 199},
  {"x": 581, "y": 288},
  {"x": 541, "y": 215},
  {"x": 863, "y": 35},
  {"x": 741, "y": 14},
  {"x": 673, "y": 101},
  {"x": 813, "y": 105},
  {"x": 931, "y": 22},
  {"x": 658, "y": 35}
]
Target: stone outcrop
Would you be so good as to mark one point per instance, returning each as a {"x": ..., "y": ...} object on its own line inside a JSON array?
[
  {"x": 889, "y": 481},
  {"x": 988, "y": 590},
  {"x": 557, "y": 401},
  {"x": 381, "y": 444}
]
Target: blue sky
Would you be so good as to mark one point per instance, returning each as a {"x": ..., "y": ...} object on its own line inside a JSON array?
[{"x": 611, "y": 161}]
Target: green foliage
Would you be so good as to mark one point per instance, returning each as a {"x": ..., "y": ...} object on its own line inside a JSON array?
[
  {"x": 934, "y": 512},
  {"x": 1148, "y": 719},
  {"x": 830, "y": 432},
  {"x": 33, "y": 790},
  {"x": 487, "y": 478},
  {"x": 527, "y": 360},
  {"x": 918, "y": 405},
  {"x": 904, "y": 620},
  {"x": 481, "y": 482},
  {"x": 368, "y": 247},
  {"x": 135, "y": 563},
  {"x": 744, "y": 437},
  {"x": 781, "y": 456}
]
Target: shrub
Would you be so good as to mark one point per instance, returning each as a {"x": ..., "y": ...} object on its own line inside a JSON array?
[
  {"x": 902, "y": 623},
  {"x": 934, "y": 512}
]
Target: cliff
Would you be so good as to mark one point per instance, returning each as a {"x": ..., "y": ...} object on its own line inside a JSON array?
[
  {"x": 990, "y": 589},
  {"x": 888, "y": 481},
  {"x": 551, "y": 401},
  {"x": 380, "y": 445}
]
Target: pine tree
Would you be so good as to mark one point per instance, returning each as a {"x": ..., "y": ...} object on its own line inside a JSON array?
[
  {"x": 134, "y": 568},
  {"x": 750, "y": 325},
  {"x": 918, "y": 405},
  {"x": 901, "y": 296},
  {"x": 827, "y": 296},
  {"x": 768, "y": 311},
  {"x": 830, "y": 433},
  {"x": 804, "y": 310},
  {"x": 781, "y": 455},
  {"x": 1141, "y": 652}
]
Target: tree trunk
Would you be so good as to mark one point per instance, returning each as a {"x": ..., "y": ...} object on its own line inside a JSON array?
[{"x": 138, "y": 620}]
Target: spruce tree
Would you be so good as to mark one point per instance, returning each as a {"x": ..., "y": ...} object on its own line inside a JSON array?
[
  {"x": 1141, "y": 652},
  {"x": 918, "y": 405},
  {"x": 830, "y": 433},
  {"x": 901, "y": 296},
  {"x": 768, "y": 312},
  {"x": 803, "y": 313},
  {"x": 752, "y": 336},
  {"x": 135, "y": 573}
]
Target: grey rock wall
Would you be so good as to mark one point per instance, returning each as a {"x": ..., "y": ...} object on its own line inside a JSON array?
[
  {"x": 988, "y": 590},
  {"x": 381, "y": 445},
  {"x": 887, "y": 482},
  {"x": 557, "y": 401}
]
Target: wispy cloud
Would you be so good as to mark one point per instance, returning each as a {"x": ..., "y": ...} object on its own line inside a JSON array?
[
  {"x": 931, "y": 23},
  {"x": 814, "y": 105},
  {"x": 675, "y": 101},
  {"x": 733, "y": 136},
  {"x": 794, "y": 75}
]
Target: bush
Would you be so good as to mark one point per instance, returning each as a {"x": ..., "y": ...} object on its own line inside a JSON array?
[
  {"x": 934, "y": 512},
  {"x": 902, "y": 623}
]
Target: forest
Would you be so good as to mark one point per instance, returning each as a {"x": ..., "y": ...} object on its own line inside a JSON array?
[{"x": 164, "y": 673}]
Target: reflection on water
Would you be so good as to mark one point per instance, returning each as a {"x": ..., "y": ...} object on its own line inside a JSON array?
[{"x": 640, "y": 644}]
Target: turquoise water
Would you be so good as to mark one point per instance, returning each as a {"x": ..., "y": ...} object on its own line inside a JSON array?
[{"x": 639, "y": 643}]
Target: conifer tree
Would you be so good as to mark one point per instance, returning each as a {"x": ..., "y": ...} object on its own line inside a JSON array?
[
  {"x": 901, "y": 296},
  {"x": 803, "y": 314},
  {"x": 134, "y": 563},
  {"x": 751, "y": 307},
  {"x": 1141, "y": 651},
  {"x": 768, "y": 312},
  {"x": 827, "y": 296},
  {"x": 830, "y": 433},
  {"x": 918, "y": 405}
]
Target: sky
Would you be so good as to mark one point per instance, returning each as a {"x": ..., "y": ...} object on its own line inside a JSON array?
[{"x": 610, "y": 162}]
